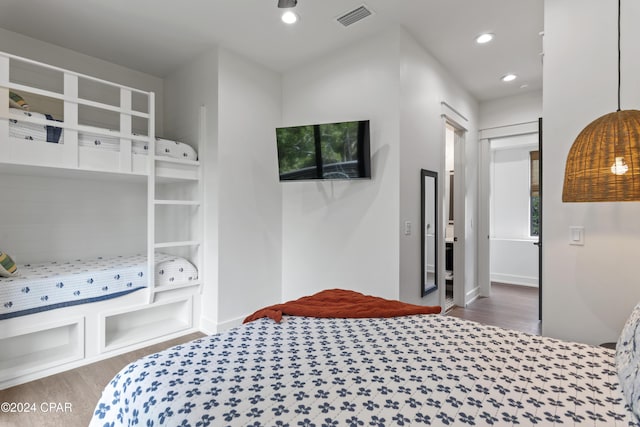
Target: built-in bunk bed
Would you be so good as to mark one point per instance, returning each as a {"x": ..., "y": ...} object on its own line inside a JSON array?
[{"x": 61, "y": 313}]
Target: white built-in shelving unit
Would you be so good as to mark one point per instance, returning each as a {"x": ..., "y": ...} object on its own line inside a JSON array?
[{"x": 44, "y": 343}]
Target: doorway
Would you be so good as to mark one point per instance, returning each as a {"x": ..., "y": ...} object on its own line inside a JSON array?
[
  {"x": 454, "y": 216},
  {"x": 449, "y": 230},
  {"x": 510, "y": 208}
]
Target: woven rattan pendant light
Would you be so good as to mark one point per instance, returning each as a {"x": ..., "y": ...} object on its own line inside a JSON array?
[{"x": 603, "y": 164}]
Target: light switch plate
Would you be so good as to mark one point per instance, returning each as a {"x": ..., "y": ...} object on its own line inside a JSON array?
[{"x": 576, "y": 235}]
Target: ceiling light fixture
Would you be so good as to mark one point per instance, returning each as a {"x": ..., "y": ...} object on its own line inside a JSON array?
[
  {"x": 484, "y": 38},
  {"x": 289, "y": 17},
  {"x": 508, "y": 77},
  {"x": 603, "y": 164},
  {"x": 286, "y": 4}
]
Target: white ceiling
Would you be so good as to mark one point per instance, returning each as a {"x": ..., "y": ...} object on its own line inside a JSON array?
[{"x": 156, "y": 36}]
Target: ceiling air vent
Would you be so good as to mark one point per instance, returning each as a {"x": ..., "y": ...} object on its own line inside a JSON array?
[{"x": 354, "y": 16}]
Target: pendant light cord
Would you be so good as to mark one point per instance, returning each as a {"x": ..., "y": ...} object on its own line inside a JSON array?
[{"x": 619, "y": 54}]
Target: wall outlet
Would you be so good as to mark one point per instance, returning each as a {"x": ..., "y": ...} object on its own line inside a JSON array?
[{"x": 407, "y": 228}]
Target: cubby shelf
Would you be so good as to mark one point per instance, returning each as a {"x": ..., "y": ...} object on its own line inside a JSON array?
[
  {"x": 124, "y": 328},
  {"x": 41, "y": 347}
]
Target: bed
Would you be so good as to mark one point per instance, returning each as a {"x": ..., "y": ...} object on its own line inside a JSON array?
[
  {"x": 70, "y": 126},
  {"x": 46, "y": 286},
  {"x": 33, "y": 132},
  {"x": 106, "y": 127},
  {"x": 420, "y": 369}
]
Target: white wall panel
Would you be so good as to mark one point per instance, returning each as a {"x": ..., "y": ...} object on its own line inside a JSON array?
[
  {"x": 511, "y": 110},
  {"x": 57, "y": 219},
  {"x": 588, "y": 290},
  {"x": 514, "y": 261},
  {"x": 344, "y": 234},
  {"x": 510, "y": 187},
  {"x": 250, "y": 201},
  {"x": 425, "y": 84},
  {"x": 196, "y": 85}
]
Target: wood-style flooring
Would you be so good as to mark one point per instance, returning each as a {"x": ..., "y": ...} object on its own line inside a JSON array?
[
  {"x": 510, "y": 306},
  {"x": 74, "y": 393}
]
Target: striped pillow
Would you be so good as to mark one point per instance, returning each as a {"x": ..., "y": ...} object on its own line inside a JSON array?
[
  {"x": 16, "y": 101},
  {"x": 8, "y": 268}
]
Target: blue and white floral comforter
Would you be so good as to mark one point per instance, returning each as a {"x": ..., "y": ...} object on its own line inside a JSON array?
[{"x": 413, "y": 370}]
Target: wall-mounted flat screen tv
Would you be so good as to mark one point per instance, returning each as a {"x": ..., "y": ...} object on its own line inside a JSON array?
[{"x": 324, "y": 151}]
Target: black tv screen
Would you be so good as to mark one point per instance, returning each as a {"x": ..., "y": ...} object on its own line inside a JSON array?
[{"x": 324, "y": 151}]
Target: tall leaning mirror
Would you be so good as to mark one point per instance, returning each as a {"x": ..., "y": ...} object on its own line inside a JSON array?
[{"x": 429, "y": 240}]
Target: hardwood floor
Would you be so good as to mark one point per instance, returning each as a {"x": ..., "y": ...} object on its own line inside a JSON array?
[
  {"x": 510, "y": 306},
  {"x": 73, "y": 394}
]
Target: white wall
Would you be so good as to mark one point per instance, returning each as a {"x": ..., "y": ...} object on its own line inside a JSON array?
[
  {"x": 514, "y": 261},
  {"x": 195, "y": 85},
  {"x": 424, "y": 85},
  {"x": 46, "y": 218},
  {"x": 510, "y": 186},
  {"x": 588, "y": 290},
  {"x": 37, "y": 50},
  {"x": 344, "y": 234},
  {"x": 250, "y": 201},
  {"x": 348, "y": 234},
  {"x": 511, "y": 110},
  {"x": 242, "y": 193},
  {"x": 514, "y": 257}
]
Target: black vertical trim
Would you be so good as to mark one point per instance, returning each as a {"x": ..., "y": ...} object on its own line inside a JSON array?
[
  {"x": 540, "y": 219},
  {"x": 364, "y": 154},
  {"x": 619, "y": 55},
  {"x": 423, "y": 210},
  {"x": 317, "y": 138}
]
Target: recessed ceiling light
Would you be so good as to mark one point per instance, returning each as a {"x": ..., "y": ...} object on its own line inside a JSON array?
[
  {"x": 484, "y": 38},
  {"x": 524, "y": 85},
  {"x": 508, "y": 77},
  {"x": 289, "y": 17}
]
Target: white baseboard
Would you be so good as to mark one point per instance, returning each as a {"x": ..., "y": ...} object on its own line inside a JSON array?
[
  {"x": 512, "y": 279},
  {"x": 231, "y": 323},
  {"x": 208, "y": 326},
  {"x": 471, "y": 296}
]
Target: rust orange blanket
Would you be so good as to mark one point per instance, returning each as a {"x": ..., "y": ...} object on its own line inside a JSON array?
[{"x": 340, "y": 303}]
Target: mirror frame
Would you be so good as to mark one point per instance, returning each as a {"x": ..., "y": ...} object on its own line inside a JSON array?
[{"x": 427, "y": 288}]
